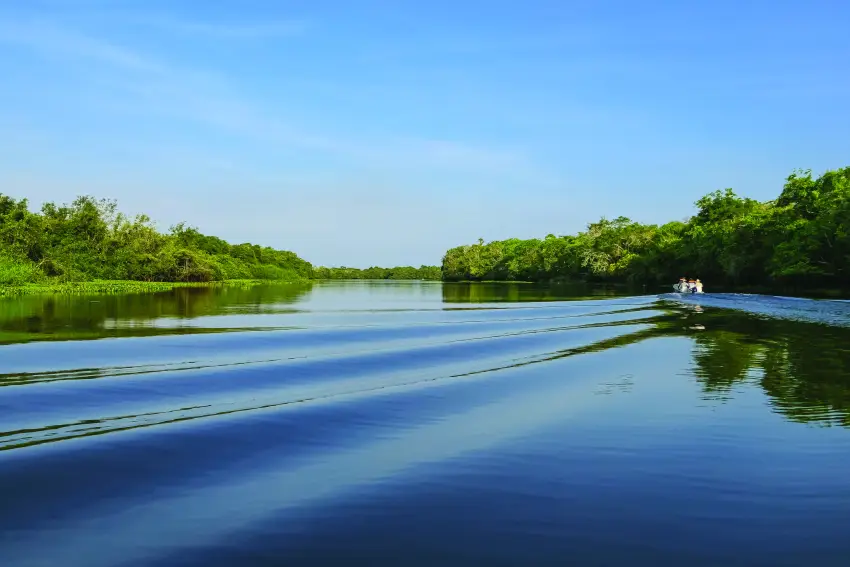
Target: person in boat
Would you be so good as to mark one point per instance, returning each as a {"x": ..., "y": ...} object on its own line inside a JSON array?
[
  {"x": 692, "y": 286},
  {"x": 698, "y": 286}
]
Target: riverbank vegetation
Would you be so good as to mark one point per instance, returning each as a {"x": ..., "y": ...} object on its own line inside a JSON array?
[
  {"x": 800, "y": 239},
  {"x": 376, "y": 273},
  {"x": 91, "y": 247},
  {"x": 107, "y": 287},
  {"x": 89, "y": 240}
]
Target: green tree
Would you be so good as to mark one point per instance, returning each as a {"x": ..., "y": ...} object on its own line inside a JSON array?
[{"x": 800, "y": 239}]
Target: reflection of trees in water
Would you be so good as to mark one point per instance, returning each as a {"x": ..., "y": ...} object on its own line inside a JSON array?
[
  {"x": 402, "y": 289},
  {"x": 94, "y": 316},
  {"x": 810, "y": 376},
  {"x": 722, "y": 359},
  {"x": 803, "y": 367},
  {"x": 498, "y": 292}
]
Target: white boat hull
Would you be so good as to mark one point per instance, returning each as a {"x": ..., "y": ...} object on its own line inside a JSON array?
[{"x": 683, "y": 288}]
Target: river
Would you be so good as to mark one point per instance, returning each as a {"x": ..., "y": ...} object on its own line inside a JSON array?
[{"x": 417, "y": 423}]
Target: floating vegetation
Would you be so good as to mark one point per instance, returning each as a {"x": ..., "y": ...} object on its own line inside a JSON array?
[{"x": 101, "y": 287}]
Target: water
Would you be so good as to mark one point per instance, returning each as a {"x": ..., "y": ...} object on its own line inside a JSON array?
[{"x": 374, "y": 423}]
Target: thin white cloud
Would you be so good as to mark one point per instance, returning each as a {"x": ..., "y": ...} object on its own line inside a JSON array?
[
  {"x": 207, "y": 101},
  {"x": 276, "y": 29},
  {"x": 56, "y": 41},
  {"x": 110, "y": 14},
  {"x": 138, "y": 83}
]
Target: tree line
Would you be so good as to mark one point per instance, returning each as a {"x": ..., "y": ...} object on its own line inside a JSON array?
[
  {"x": 376, "y": 273},
  {"x": 90, "y": 239},
  {"x": 801, "y": 238}
]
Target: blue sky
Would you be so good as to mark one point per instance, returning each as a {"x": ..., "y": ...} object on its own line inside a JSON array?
[{"x": 384, "y": 132}]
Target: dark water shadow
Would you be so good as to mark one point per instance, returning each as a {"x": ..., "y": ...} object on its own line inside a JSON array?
[{"x": 86, "y": 317}]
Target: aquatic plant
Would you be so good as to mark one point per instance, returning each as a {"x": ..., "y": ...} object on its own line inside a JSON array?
[{"x": 115, "y": 287}]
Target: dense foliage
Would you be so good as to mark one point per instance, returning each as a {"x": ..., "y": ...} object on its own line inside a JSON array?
[
  {"x": 375, "y": 273},
  {"x": 802, "y": 238},
  {"x": 91, "y": 240}
]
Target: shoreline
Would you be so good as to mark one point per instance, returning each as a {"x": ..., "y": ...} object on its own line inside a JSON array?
[
  {"x": 778, "y": 290},
  {"x": 117, "y": 287}
]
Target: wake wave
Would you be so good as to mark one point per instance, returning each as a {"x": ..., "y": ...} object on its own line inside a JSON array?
[{"x": 204, "y": 447}]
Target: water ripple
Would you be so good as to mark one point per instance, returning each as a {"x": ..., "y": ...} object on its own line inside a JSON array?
[{"x": 389, "y": 425}]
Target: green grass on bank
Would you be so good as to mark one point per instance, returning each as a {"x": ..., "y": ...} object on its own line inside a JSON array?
[{"x": 117, "y": 287}]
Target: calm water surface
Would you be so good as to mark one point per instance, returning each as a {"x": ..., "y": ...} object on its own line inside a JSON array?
[{"x": 375, "y": 423}]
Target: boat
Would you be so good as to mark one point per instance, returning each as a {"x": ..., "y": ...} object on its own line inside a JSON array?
[{"x": 682, "y": 287}]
